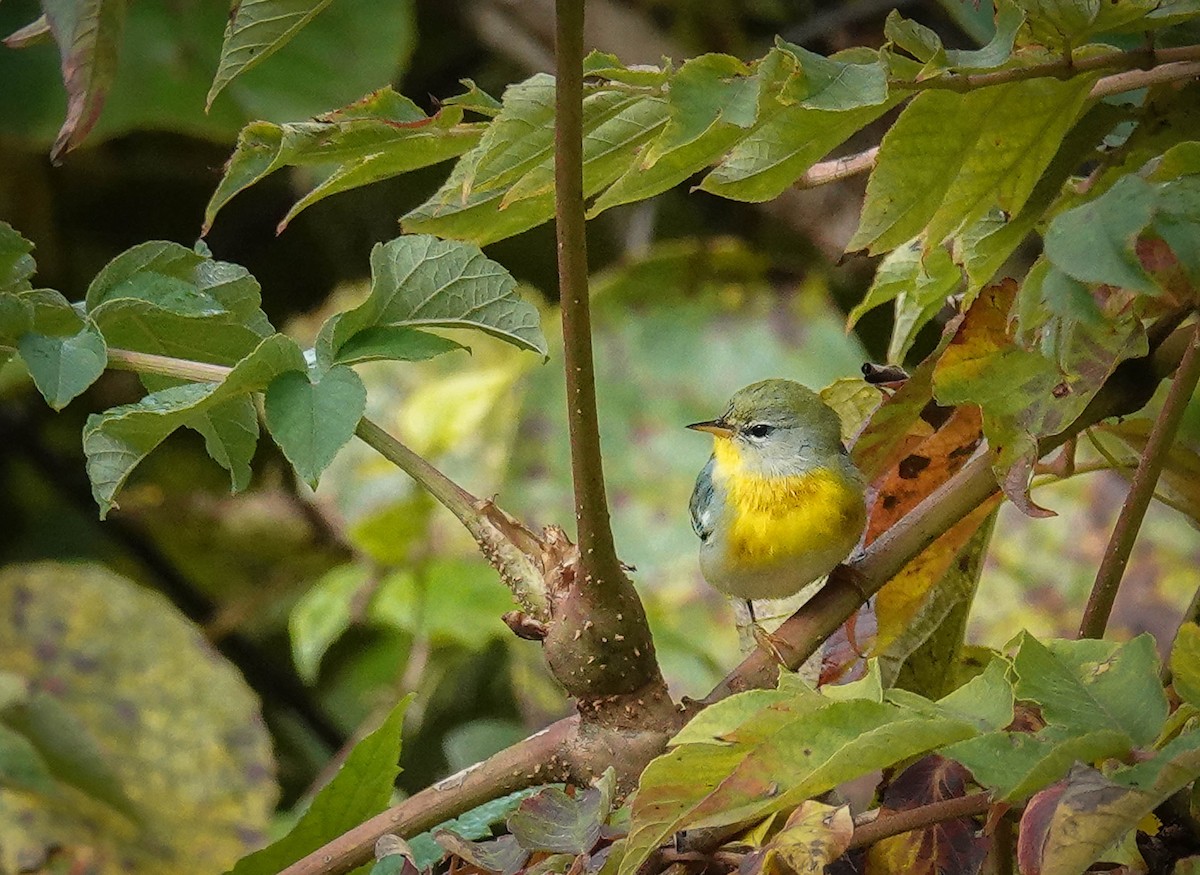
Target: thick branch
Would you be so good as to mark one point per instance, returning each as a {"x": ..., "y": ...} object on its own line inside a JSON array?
[
  {"x": 587, "y": 470},
  {"x": 1128, "y": 389},
  {"x": 600, "y": 643},
  {"x": 539, "y": 759},
  {"x": 481, "y": 519},
  {"x": 1141, "y": 492}
]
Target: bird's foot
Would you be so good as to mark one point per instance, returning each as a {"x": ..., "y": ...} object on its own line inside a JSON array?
[{"x": 772, "y": 644}]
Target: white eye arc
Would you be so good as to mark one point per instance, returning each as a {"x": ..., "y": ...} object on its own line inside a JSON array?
[{"x": 759, "y": 430}]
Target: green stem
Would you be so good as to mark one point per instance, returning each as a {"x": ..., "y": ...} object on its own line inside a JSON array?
[
  {"x": 486, "y": 523},
  {"x": 1141, "y": 492}
]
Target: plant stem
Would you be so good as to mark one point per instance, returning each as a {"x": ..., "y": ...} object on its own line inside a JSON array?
[
  {"x": 1141, "y": 492},
  {"x": 896, "y": 823},
  {"x": 587, "y": 471},
  {"x": 1135, "y": 59},
  {"x": 835, "y": 169},
  {"x": 486, "y": 523},
  {"x": 538, "y": 759}
]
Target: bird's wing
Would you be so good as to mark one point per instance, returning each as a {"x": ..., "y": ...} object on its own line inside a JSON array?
[{"x": 702, "y": 505}]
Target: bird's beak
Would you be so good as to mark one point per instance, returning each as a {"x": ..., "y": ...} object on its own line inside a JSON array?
[{"x": 719, "y": 427}]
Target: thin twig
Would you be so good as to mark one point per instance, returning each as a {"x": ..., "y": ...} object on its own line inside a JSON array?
[
  {"x": 898, "y": 822},
  {"x": 834, "y": 169},
  {"x": 1141, "y": 60},
  {"x": 1141, "y": 491}
]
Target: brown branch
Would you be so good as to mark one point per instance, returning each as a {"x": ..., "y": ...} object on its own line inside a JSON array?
[
  {"x": 898, "y": 822},
  {"x": 1141, "y": 492},
  {"x": 835, "y": 169},
  {"x": 539, "y": 759},
  {"x": 1141, "y": 60},
  {"x": 1128, "y": 389},
  {"x": 600, "y": 642}
]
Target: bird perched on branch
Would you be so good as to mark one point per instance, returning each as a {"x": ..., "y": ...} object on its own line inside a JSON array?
[{"x": 779, "y": 503}]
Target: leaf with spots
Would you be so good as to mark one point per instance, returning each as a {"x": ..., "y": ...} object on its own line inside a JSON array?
[
  {"x": 558, "y": 823},
  {"x": 1032, "y": 389},
  {"x": 814, "y": 835},
  {"x": 152, "y": 750}
]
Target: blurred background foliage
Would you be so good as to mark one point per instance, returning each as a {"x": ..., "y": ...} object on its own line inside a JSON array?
[{"x": 334, "y": 604}]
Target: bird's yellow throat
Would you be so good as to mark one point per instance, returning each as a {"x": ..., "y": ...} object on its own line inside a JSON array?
[{"x": 773, "y": 518}]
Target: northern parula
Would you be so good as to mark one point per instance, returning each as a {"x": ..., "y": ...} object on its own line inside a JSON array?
[{"x": 779, "y": 503}]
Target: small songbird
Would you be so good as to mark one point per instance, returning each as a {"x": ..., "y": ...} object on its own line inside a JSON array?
[{"x": 779, "y": 503}]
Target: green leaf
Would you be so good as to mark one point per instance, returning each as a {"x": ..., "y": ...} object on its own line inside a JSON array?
[
  {"x": 774, "y": 764},
  {"x": 256, "y": 30},
  {"x": 983, "y": 247},
  {"x": 506, "y": 184},
  {"x": 230, "y": 433},
  {"x": 711, "y": 102},
  {"x": 1185, "y": 663},
  {"x": 1090, "y": 684},
  {"x": 983, "y": 363},
  {"x": 321, "y": 615},
  {"x": 62, "y": 366},
  {"x": 787, "y": 137},
  {"x": 117, "y": 440},
  {"x": 63, "y": 352},
  {"x": 16, "y": 264},
  {"x": 919, "y": 282},
  {"x": 393, "y": 343},
  {"x": 311, "y": 421},
  {"x": 474, "y": 824},
  {"x": 1015, "y": 765},
  {"x": 361, "y": 789},
  {"x": 420, "y": 280},
  {"x": 380, "y": 136},
  {"x": 1094, "y": 241},
  {"x": 950, "y": 158},
  {"x": 182, "y": 281},
  {"x": 88, "y": 33},
  {"x": 831, "y": 83}
]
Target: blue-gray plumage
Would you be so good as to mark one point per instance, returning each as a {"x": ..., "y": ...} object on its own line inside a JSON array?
[{"x": 702, "y": 502}]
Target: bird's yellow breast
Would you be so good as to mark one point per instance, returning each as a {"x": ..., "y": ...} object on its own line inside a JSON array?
[{"x": 773, "y": 519}]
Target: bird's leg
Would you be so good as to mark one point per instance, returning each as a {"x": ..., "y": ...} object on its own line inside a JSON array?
[{"x": 764, "y": 639}]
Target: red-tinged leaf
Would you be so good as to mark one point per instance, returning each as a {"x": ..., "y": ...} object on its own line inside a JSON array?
[
  {"x": 814, "y": 836},
  {"x": 949, "y": 846},
  {"x": 31, "y": 34},
  {"x": 88, "y": 33},
  {"x": 1032, "y": 387},
  {"x": 503, "y": 856},
  {"x": 896, "y": 425},
  {"x": 923, "y": 468},
  {"x": 553, "y": 821},
  {"x": 1035, "y": 828}
]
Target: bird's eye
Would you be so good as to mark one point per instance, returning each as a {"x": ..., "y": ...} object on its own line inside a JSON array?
[{"x": 760, "y": 429}]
